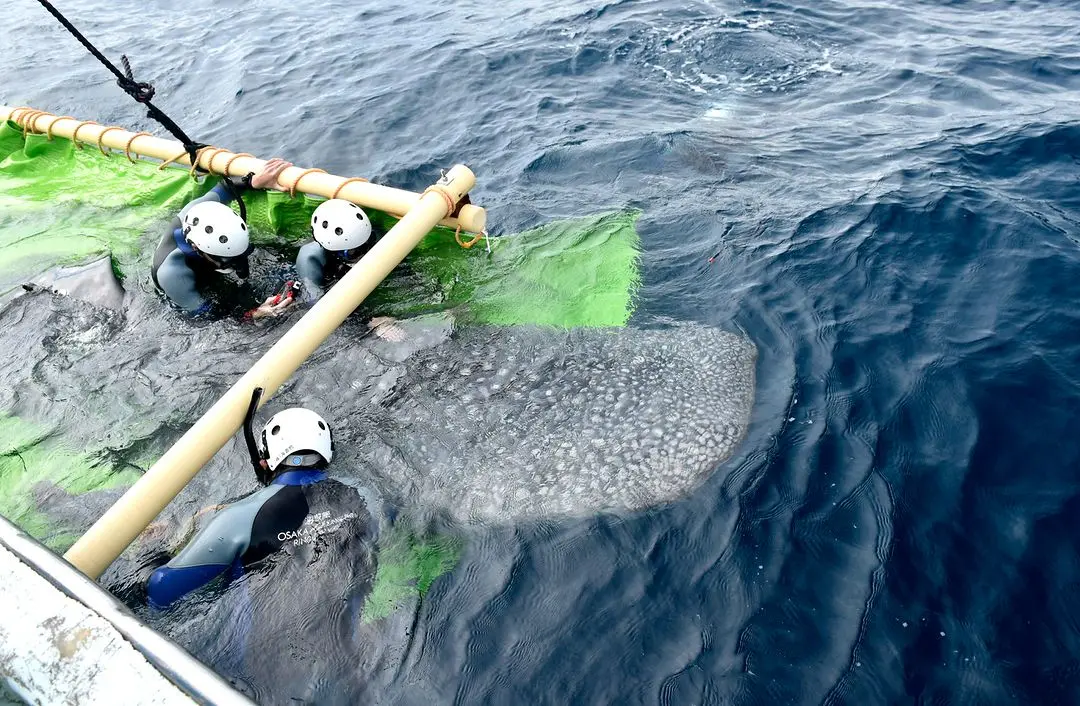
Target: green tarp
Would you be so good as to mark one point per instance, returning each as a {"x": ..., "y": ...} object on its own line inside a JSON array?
[{"x": 60, "y": 204}]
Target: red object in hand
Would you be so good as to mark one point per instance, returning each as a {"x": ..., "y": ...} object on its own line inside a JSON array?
[{"x": 288, "y": 291}]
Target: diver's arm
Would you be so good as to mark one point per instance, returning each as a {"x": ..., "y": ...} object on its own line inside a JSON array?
[
  {"x": 213, "y": 550},
  {"x": 310, "y": 267},
  {"x": 177, "y": 280},
  {"x": 267, "y": 178},
  {"x": 219, "y": 194}
]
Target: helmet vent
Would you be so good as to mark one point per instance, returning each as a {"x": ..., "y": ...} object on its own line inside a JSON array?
[
  {"x": 223, "y": 239},
  {"x": 338, "y": 231},
  {"x": 195, "y": 221},
  {"x": 359, "y": 216},
  {"x": 324, "y": 224},
  {"x": 322, "y": 426},
  {"x": 243, "y": 226},
  {"x": 209, "y": 229},
  {"x": 275, "y": 430}
]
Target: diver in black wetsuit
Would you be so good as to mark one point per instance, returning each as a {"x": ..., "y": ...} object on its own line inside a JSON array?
[
  {"x": 292, "y": 565},
  {"x": 342, "y": 236},
  {"x": 206, "y": 239},
  {"x": 298, "y": 519}
]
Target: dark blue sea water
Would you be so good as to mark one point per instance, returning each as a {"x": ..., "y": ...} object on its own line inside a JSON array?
[{"x": 891, "y": 188}]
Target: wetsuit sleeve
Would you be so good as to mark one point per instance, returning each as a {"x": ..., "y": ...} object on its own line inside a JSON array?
[
  {"x": 310, "y": 264},
  {"x": 205, "y": 558},
  {"x": 216, "y": 547},
  {"x": 219, "y": 194},
  {"x": 177, "y": 280}
]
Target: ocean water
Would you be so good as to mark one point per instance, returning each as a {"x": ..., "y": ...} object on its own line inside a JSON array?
[{"x": 888, "y": 192}]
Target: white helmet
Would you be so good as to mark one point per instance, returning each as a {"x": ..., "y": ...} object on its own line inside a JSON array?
[
  {"x": 296, "y": 432},
  {"x": 215, "y": 229},
  {"x": 340, "y": 225}
]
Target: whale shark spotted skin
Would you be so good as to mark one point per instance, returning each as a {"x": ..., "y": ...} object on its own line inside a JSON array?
[
  {"x": 478, "y": 423},
  {"x": 501, "y": 424}
]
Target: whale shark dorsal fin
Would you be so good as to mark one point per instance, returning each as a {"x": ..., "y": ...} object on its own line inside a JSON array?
[{"x": 94, "y": 282}]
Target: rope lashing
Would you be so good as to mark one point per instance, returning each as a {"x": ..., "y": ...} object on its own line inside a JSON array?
[
  {"x": 48, "y": 130},
  {"x": 441, "y": 192},
  {"x": 195, "y": 160},
  {"x": 342, "y": 185},
  {"x": 213, "y": 152},
  {"x": 127, "y": 147},
  {"x": 80, "y": 126},
  {"x": 29, "y": 120},
  {"x": 100, "y": 137},
  {"x": 17, "y": 112},
  {"x": 228, "y": 165},
  {"x": 173, "y": 160},
  {"x": 296, "y": 182}
]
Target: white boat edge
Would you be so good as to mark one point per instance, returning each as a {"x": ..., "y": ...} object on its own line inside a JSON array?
[{"x": 65, "y": 639}]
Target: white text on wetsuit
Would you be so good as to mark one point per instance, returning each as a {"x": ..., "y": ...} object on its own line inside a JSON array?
[{"x": 315, "y": 526}]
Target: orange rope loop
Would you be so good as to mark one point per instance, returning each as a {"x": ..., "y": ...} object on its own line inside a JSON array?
[
  {"x": 29, "y": 121},
  {"x": 470, "y": 243},
  {"x": 75, "y": 134},
  {"x": 105, "y": 132},
  {"x": 210, "y": 162},
  {"x": 172, "y": 160},
  {"x": 342, "y": 185},
  {"x": 296, "y": 183},
  {"x": 20, "y": 119},
  {"x": 127, "y": 147},
  {"x": 441, "y": 192},
  {"x": 48, "y": 130},
  {"x": 198, "y": 158},
  {"x": 34, "y": 120},
  {"x": 228, "y": 165},
  {"x": 15, "y": 116}
]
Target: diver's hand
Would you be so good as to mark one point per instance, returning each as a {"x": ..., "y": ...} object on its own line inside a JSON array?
[
  {"x": 385, "y": 328},
  {"x": 273, "y": 306},
  {"x": 155, "y": 532},
  {"x": 268, "y": 177}
]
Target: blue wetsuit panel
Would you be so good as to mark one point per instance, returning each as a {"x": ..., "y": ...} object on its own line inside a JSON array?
[{"x": 248, "y": 531}]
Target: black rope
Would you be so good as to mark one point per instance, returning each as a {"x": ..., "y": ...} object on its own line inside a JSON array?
[
  {"x": 140, "y": 91},
  {"x": 143, "y": 92},
  {"x": 237, "y": 194}
]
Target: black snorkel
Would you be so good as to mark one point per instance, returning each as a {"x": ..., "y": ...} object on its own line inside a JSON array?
[{"x": 262, "y": 471}]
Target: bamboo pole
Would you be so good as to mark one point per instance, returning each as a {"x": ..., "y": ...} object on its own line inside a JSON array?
[
  {"x": 123, "y": 522},
  {"x": 397, "y": 202}
]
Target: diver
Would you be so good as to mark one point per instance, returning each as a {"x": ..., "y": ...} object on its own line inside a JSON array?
[
  {"x": 343, "y": 235},
  {"x": 299, "y": 518},
  {"x": 208, "y": 239}
]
